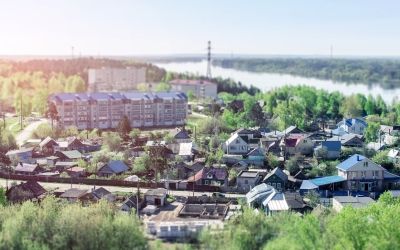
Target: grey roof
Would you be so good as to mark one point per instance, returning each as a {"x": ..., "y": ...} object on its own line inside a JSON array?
[
  {"x": 117, "y": 96},
  {"x": 157, "y": 192},
  {"x": 247, "y": 174},
  {"x": 25, "y": 167},
  {"x": 100, "y": 192},
  {"x": 279, "y": 172},
  {"x": 116, "y": 166},
  {"x": 19, "y": 151},
  {"x": 73, "y": 193},
  {"x": 354, "y": 201},
  {"x": 72, "y": 154}
]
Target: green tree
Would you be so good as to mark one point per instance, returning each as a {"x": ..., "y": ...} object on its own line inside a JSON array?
[
  {"x": 141, "y": 164},
  {"x": 124, "y": 127},
  {"x": 112, "y": 141},
  {"x": 163, "y": 87},
  {"x": 371, "y": 132}
]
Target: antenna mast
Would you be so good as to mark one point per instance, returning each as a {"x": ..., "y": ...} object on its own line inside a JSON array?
[{"x": 208, "y": 75}]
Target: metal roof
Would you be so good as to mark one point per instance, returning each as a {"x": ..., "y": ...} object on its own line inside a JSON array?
[
  {"x": 327, "y": 180},
  {"x": 351, "y": 161}
]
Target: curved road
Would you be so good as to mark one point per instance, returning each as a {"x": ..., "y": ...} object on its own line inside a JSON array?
[{"x": 26, "y": 133}]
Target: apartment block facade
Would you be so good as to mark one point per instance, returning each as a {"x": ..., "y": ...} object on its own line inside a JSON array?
[
  {"x": 200, "y": 88},
  {"x": 115, "y": 79},
  {"x": 105, "y": 110}
]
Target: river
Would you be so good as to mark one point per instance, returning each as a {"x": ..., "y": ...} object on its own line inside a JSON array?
[{"x": 268, "y": 81}]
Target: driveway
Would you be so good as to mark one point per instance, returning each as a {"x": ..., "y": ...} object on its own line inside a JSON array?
[{"x": 26, "y": 133}]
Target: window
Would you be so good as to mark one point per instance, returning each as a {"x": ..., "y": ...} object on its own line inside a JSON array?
[
  {"x": 246, "y": 182},
  {"x": 206, "y": 182},
  {"x": 278, "y": 186},
  {"x": 375, "y": 173},
  {"x": 353, "y": 185},
  {"x": 363, "y": 174}
]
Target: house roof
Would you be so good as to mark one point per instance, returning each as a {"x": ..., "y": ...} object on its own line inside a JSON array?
[
  {"x": 65, "y": 164},
  {"x": 47, "y": 140},
  {"x": 180, "y": 134},
  {"x": 351, "y": 161},
  {"x": 185, "y": 149},
  {"x": 353, "y": 121},
  {"x": 217, "y": 173},
  {"x": 73, "y": 193},
  {"x": 71, "y": 154},
  {"x": 292, "y": 130},
  {"x": 276, "y": 202},
  {"x": 352, "y": 201},
  {"x": 327, "y": 180},
  {"x": 308, "y": 185},
  {"x": 233, "y": 138},
  {"x": 31, "y": 186},
  {"x": 389, "y": 176},
  {"x": 293, "y": 139},
  {"x": 76, "y": 169},
  {"x": 25, "y": 167},
  {"x": 100, "y": 192},
  {"x": 19, "y": 151},
  {"x": 116, "y": 166},
  {"x": 248, "y": 174},
  {"x": 393, "y": 153},
  {"x": 256, "y": 152},
  {"x": 259, "y": 192},
  {"x": 332, "y": 145},
  {"x": 278, "y": 172},
  {"x": 157, "y": 192}
]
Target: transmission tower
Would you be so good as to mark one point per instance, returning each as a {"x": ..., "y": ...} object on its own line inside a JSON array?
[{"x": 208, "y": 75}]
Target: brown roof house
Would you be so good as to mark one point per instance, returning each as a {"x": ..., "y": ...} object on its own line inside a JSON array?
[
  {"x": 30, "y": 190},
  {"x": 210, "y": 176},
  {"x": 27, "y": 169},
  {"x": 74, "y": 195}
]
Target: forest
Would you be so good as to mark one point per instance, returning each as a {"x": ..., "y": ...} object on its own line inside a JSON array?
[{"x": 385, "y": 72}]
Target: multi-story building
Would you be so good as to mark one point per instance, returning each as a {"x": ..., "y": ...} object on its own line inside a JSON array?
[
  {"x": 199, "y": 88},
  {"x": 115, "y": 79},
  {"x": 105, "y": 110}
]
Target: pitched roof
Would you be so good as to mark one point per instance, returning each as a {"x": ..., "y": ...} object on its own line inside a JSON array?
[
  {"x": 332, "y": 145},
  {"x": 32, "y": 186},
  {"x": 351, "y": 161},
  {"x": 292, "y": 130},
  {"x": 278, "y": 172},
  {"x": 73, "y": 193},
  {"x": 71, "y": 154},
  {"x": 218, "y": 173},
  {"x": 47, "y": 140},
  {"x": 258, "y": 192},
  {"x": 116, "y": 166},
  {"x": 180, "y": 134},
  {"x": 327, "y": 180},
  {"x": 248, "y": 174},
  {"x": 256, "y": 152},
  {"x": 25, "y": 167},
  {"x": 100, "y": 192},
  {"x": 19, "y": 151}
]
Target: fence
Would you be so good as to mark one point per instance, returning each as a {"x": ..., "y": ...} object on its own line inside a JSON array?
[{"x": 102, "y": 182}]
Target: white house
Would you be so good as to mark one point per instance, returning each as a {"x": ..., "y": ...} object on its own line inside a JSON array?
[
  {"x": 352, "y": 125},
  {"x": 236, "y": 145}
]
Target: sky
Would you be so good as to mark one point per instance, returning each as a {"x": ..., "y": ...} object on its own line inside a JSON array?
[{"x": 155, "y": 27}]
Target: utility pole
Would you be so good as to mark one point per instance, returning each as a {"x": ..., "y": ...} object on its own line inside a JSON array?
[{"x": 20, "y": 109}]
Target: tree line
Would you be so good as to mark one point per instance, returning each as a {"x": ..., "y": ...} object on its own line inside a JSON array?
[{"x": 385, "y": 72}]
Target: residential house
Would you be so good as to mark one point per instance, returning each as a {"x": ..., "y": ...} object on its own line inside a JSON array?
[
  {"x": 131, "y": 203},
  {"x": 394, "y": 156},
  {"x": 255, "y": 157},
  {"x": 71, "y": 155},
  {"x": 349, "y": 140},
  {"x": 328, "y": 150},
  {"x": 30, "y": 190},
  {"x": 187, "y": 150},
  {"x": 246, "y": 180},
  {"x": 292, "y": 130},
  {"x": 102, "y": 193},
  {"x": 71, "y": 143},
  {"x": 27, "y": 169},
  {"x": 339, "y": 202},
  {"x": 51, "y": 161},
  {"x": 361, "y": 174},
  {"x": 351, "y": 126},
  {"x": 236, "y": 145},
  {"x": 113, "y": 167},
  {"x": 276, "y": 179},
  {"x": 76, "y": 172},
  {"x": 326, "y": 183},
  {"x": 64, "y": 165},
  {"x": 257, "y": 194},
  {"x": 20, "y": 155},
  {"x": 390, "y": 134},
  {"x": 210, "y": 176},
  {"x": 78, "y": 195},
  {"x": 156, "y": 197},
  {"x": 178, "y": 136},
  {"x": 297, "y": 144},
  {"x": 47, "y": 146},
  {"x": 271, "y": 145}
]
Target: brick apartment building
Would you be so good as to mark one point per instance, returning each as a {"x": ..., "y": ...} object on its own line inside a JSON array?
[
  {"x": 105, "y": 110},
  {"x": 115, "y": 79}
]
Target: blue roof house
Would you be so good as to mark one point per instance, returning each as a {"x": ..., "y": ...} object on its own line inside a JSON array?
[
  {"x": 328, "y": 150},
  {"x": 351, "y": 126},
  {"x": 113, "y": 167}
]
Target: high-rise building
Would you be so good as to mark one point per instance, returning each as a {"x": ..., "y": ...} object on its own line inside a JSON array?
[
  {"x": 105, "y": 110},
  {"x": 115, "y": 79}
]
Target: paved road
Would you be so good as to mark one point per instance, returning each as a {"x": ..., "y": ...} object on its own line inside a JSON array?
[
  {"x": 64, "y": 186},
  {"x": 27, "y": 132}
]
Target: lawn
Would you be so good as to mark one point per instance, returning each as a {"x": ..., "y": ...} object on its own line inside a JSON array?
[{"x": 12, "y": 124}]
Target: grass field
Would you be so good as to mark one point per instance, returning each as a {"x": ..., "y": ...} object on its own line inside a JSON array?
[{"x": 12, "y": 124}]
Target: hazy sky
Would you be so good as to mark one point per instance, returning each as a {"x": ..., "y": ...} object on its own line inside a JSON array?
[{"x": 119, "y": 27}]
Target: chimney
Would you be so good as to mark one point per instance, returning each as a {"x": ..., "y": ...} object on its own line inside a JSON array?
[{"x": 358, "y": 158}]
